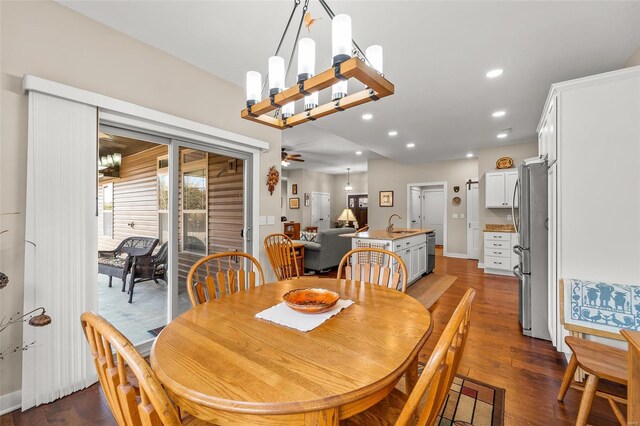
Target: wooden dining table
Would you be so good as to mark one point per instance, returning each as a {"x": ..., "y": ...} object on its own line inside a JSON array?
[{"x": 222, "y": 364}]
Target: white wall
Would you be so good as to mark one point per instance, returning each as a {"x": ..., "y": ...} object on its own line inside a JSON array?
[
  {"x": 48, "y": 40},
  {"x": 634, "y": 59},
  {"x": 389, "y": 175}
]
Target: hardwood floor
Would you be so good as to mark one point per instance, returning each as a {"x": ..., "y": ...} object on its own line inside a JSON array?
[{"x": 496, "y": 353}]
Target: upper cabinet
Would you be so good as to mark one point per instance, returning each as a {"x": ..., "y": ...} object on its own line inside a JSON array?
[
  {"x": 547, "y": 136},
  {"x": 499, "y": 189}
]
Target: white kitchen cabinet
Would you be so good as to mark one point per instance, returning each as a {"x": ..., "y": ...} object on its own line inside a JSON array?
[
  {"x": 498, "y": 252},
  {"x": 547, "y": 136},
  {"x": 499, "y": 188},
  {"x": 412, "y": 250}
]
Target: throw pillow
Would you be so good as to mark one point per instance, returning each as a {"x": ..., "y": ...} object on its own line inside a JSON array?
[{"x": 308, "y": 236}]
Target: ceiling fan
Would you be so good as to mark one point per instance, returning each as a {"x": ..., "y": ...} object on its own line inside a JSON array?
[{"x": 286, "y": 157}]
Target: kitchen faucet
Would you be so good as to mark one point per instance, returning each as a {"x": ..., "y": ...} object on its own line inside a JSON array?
[{"x": 390, "y": 227}]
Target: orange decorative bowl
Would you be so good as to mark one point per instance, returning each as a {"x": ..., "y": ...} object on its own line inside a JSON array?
[{"x": 311, "y": 300}]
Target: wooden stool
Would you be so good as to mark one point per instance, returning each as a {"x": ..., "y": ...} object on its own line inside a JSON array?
[{"x": 600, "y": 362}]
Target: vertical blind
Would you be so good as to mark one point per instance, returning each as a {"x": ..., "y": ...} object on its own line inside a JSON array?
[{"x": 61, "y": 246}]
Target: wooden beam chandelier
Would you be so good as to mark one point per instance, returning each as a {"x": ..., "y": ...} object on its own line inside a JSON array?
[{"x": 347, "y": 64}]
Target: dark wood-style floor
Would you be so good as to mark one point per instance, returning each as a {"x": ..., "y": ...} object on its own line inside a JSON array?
[{"x": 496, "y": 353}]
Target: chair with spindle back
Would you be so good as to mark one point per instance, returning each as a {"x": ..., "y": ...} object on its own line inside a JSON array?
[
  {"x": 281, "y": 254},
  {"x": 152, "y": 406},
  {"x": 424, "y": 403},
  {"x": 374, "y": 265},
  {"x": 220, "y": 274}
]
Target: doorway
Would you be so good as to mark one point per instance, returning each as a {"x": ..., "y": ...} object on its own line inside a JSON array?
[
  {"x": 433, "y": 211},
  {"x": 426, "y": 208},
  {"x": 321, "y": 210},
  {"x": 473, "y": 220},
  {"x": 359, "y": 205}
]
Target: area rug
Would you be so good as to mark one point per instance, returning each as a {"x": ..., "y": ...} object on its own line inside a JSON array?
[
  {"x": 154, "y": 332},
  {"x": 471, "y": 402},
  {"x": 429, "y": 289}
]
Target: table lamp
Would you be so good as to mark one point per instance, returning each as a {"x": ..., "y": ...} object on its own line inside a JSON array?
[{"x": 347, "y": 216}]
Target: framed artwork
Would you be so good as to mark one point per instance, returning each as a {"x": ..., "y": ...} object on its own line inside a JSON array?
[
  {"x": 352, "y": 203},
  {"x": 294, "y": 189},
  {"x": 294, "y": 203},
  {"x": 386, "y": 199},
  {"x": 307, "y": 198},
  {"x": 363, "y": 202}
]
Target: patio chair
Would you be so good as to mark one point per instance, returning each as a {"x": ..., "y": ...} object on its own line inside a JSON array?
[
  {"x": 150, "y": 267},
  {"x": 113, "y": 263}
]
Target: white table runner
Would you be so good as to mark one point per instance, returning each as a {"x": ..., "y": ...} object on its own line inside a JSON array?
[{"x": 283, "y": 315}]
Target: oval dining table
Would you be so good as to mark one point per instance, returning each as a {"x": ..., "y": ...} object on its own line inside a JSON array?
[{"x": 222, "y": 364}]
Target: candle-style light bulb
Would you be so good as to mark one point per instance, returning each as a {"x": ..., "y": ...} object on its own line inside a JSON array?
[
  {"x": 341, "y": 38},
  {"x": 276, "y": 75},
  {"x": 306, "y": 59},
  {"x": 311, "y": 101},
  {"x": 374, "y": 55},
  {"x": 254, "y": 81},
  {"x": 288, "y": 110},
  {"x": 339, "y": 90}
]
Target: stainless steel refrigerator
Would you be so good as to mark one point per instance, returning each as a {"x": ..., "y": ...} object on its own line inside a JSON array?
[{"x": 530, "y": 220}]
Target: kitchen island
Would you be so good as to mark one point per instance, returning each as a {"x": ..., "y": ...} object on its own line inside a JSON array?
[{"x": 416, "y": 247}]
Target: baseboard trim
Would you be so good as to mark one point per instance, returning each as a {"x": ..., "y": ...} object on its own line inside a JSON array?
[
  {"x": 481, "y": 265},
  {"x": 499, "y": 272},
  {"x": 10, "y": 402},
  {"x": 456, "y": 255}
]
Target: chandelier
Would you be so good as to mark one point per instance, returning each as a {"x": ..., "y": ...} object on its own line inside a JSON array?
[{"x": 348, "y": 62}]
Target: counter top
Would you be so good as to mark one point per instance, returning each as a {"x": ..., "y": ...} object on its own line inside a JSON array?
[
  {"x": 382, "y": 234},
  {"x": 498, "y": 228}
]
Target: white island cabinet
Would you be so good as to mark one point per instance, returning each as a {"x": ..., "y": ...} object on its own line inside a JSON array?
[{"x": 410, "y": 245}]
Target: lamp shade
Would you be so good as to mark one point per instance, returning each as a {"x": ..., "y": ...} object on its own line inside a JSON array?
[
  {"x": 276, "y": 75},
  {"x": 339, "y": 90},
  {"x": 254, "y": 80},
  {"x": 374, "y": 55},
  {"x": 311, "y": 101},
  {"x": 347, "y": 215},
  {"x": 306, "y": 59},
  {"x": 341, "y": 38},
  {"x": 288, "y": 109}
]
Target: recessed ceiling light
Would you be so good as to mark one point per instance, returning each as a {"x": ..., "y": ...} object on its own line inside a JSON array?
[
  {"x": 470, "y": 154},
  {"x": 502, "y": 135},
  {"x": 367, "y": 116},
  {"x": 411, "y": 145},
  {"x": 358, "y": 152},
  {"x": 499, "y": 113},
  {"x": 495, "y": 73},
  {"x": 393, "y": 133}
]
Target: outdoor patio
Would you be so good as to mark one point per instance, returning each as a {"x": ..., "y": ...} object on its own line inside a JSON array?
[{"x": 147, "y": 312}]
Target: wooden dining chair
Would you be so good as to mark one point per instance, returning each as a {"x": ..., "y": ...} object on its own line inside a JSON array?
[
  {"x": 425, "y": 402},
  {"x": 599, "y": 361},
  {"x": 633, "y": 388},
  {"x": 220, "y": 274},
  {"x": 113, "y": 355},
  {"x": 374, "y": 265},
  {"x": 281, "y": 254}
]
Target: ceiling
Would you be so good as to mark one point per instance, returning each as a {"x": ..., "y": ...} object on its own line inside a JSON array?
[{"x": 436, "y": 54}]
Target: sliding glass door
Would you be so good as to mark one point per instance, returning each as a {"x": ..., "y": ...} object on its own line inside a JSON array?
[{"x": 162, "y": 205}]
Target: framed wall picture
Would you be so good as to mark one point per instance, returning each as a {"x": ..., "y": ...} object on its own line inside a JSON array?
[
  {"x": 386, "y": 199},
  {"x": 307, "y": 197},
  {"x": 294, "y": 189},
  {"x": 294, "y": 203}
]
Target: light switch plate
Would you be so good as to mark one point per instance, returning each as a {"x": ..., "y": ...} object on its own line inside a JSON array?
[
  {"x": 455, "y": 215},
  {"x": 271, "y": 220},
  {"x": 461, "y": 215},
  {"x": 508, "y": 217},
  {"x": 263, "y": 220}
]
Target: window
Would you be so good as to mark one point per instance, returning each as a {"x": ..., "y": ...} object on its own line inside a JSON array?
[
  {"x": 107, "y": 210},
  {"x": 194, "y": 201},
  {"x": 163, "y": 199}
]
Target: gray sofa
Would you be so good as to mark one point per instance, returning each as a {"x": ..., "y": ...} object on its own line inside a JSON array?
[{"x": 328, "y": 249}]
